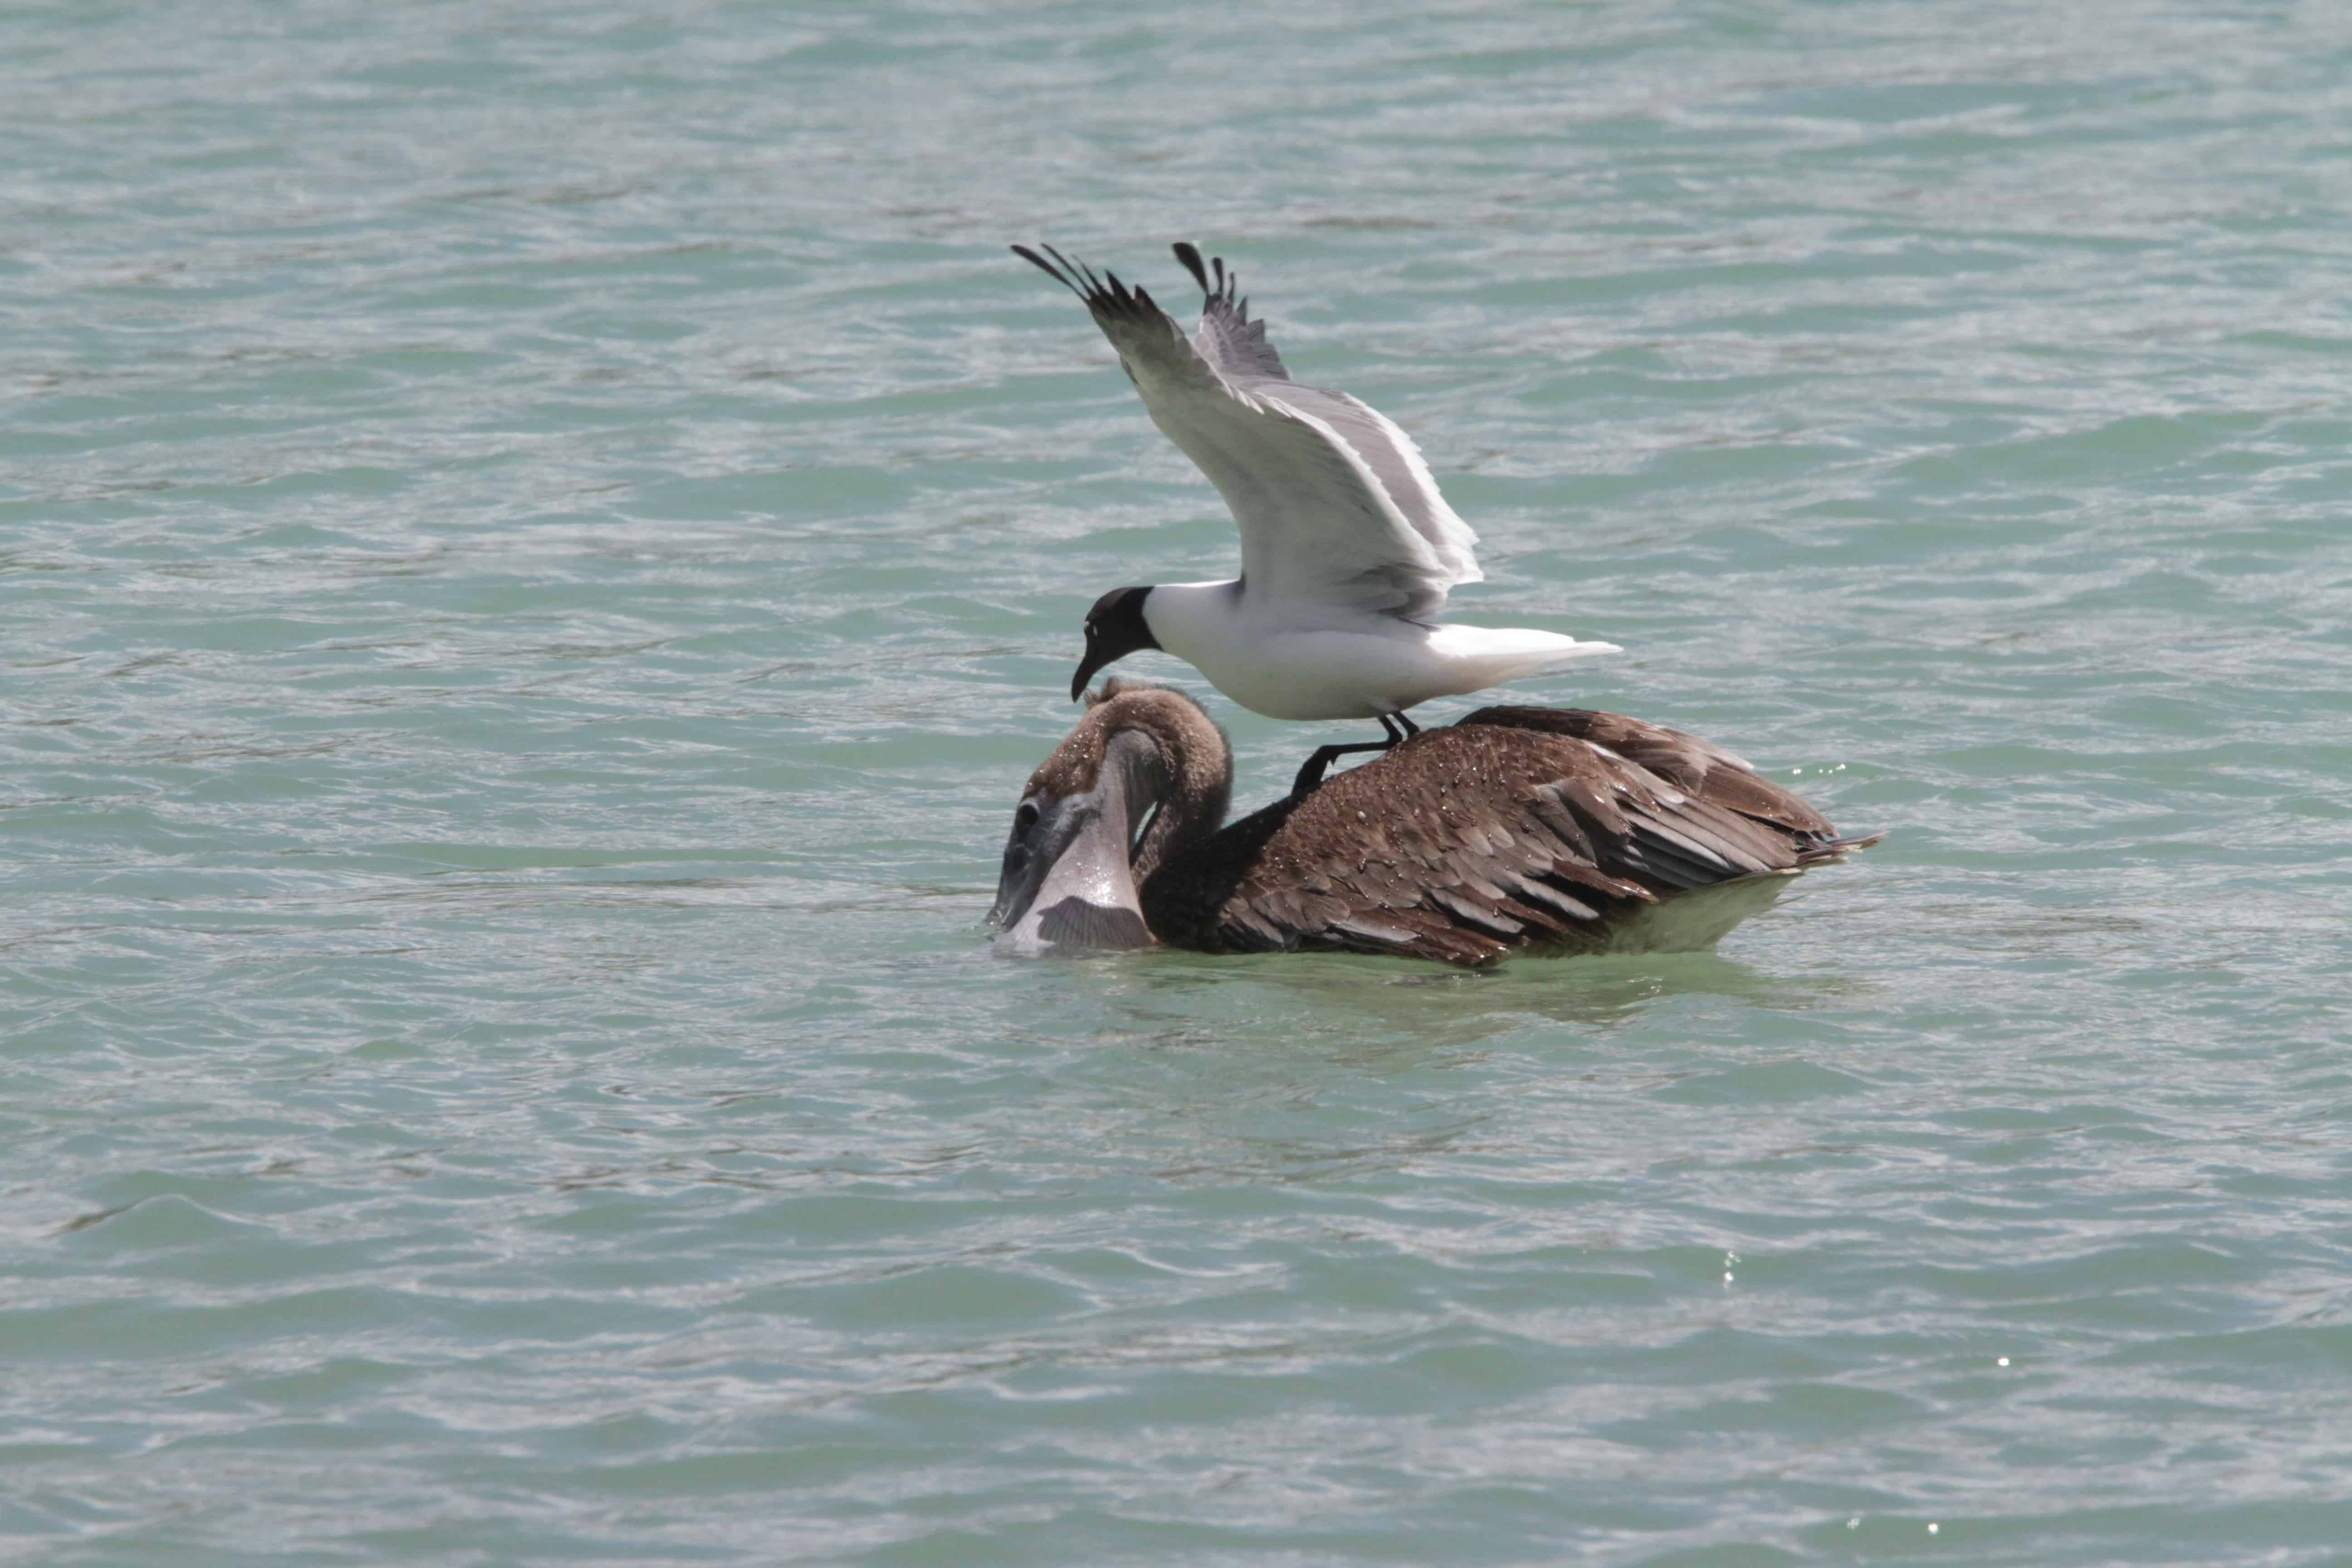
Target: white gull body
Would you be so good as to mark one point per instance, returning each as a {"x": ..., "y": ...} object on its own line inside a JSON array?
[
  {"x": 1348, "y": 549},
  {"x": 1304, "y": 659}
]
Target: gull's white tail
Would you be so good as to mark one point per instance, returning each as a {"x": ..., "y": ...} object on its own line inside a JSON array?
[{"x": 1497, "y": 654}]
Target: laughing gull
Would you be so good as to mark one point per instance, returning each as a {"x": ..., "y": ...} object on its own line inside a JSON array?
[{"x": 1348, "y": 549}]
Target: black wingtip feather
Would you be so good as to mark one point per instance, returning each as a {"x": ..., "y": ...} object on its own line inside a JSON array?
[
  {"x": 1048, "y": 267},
  {"x": 1076, "y": 269},
  {"x": 1108, "y": 293},
  {"x": 1189, "y": 255}
]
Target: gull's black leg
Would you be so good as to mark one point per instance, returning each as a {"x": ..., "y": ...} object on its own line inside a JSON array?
[{"x": 1310, "y": 774}]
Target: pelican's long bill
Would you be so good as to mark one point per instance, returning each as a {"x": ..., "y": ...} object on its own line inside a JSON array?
[{"x": 1067, "y": 879}]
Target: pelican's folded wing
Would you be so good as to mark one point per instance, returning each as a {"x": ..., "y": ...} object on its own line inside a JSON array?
[
  {"x": 1698, "y": 768},
  {"x": 1470, "y": 843},
  {"x": 1334, "y": 502}
]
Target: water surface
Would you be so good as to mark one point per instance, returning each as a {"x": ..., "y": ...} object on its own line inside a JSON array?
[{"x": 539, "y": 544}]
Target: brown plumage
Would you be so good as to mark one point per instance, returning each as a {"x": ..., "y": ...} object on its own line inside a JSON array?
[{"x": 1517, "y": 829}]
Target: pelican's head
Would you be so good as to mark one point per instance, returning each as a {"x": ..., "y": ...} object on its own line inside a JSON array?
[
  {"x": 1143, "y": 769},
  {"x": 1115, "y": 628}
]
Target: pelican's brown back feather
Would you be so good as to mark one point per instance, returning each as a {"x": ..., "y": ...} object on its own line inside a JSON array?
[
  {"x": 1516, "y": 829},
  {"x": 1699, "y": 767}
]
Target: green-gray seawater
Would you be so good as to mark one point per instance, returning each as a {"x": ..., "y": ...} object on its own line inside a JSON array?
[{"x": 541, "y": 541}]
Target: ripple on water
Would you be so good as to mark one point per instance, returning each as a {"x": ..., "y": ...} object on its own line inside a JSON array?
[{"x": 538, "y": 551}]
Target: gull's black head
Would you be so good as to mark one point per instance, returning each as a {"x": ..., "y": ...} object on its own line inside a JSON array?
[{"x": 1115, "y": 628}]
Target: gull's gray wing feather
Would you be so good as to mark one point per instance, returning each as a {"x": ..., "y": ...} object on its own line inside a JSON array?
[
  {"x": 1237, "y": 346},
  {"x": 1334, "y": 502}
]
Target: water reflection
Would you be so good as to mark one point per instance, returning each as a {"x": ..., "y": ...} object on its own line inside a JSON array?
[{"x": 1401, "y": 1004}]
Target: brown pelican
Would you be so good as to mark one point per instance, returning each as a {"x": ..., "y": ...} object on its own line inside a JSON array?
[
  {"x": 1517, "y": 829},
  {"x": 1348, "y": 549}
]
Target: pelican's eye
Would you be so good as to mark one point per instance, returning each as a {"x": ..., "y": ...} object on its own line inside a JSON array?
[{"x": 1025, "y": 818}]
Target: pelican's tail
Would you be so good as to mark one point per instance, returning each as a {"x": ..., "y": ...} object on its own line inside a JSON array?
[{"x": 1832, "y": 851}]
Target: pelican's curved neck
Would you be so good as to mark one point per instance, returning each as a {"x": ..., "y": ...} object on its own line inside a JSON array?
[{"x": 1188, "y": 803}]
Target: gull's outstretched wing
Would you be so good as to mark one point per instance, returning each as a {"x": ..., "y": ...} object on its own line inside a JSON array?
[{"x": 1334, "y": 502}]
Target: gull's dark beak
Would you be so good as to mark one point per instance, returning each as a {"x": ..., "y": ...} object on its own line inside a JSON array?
[
  {"x": 1115, "y": 628},
  {"x": 1096, "y": 656}
]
